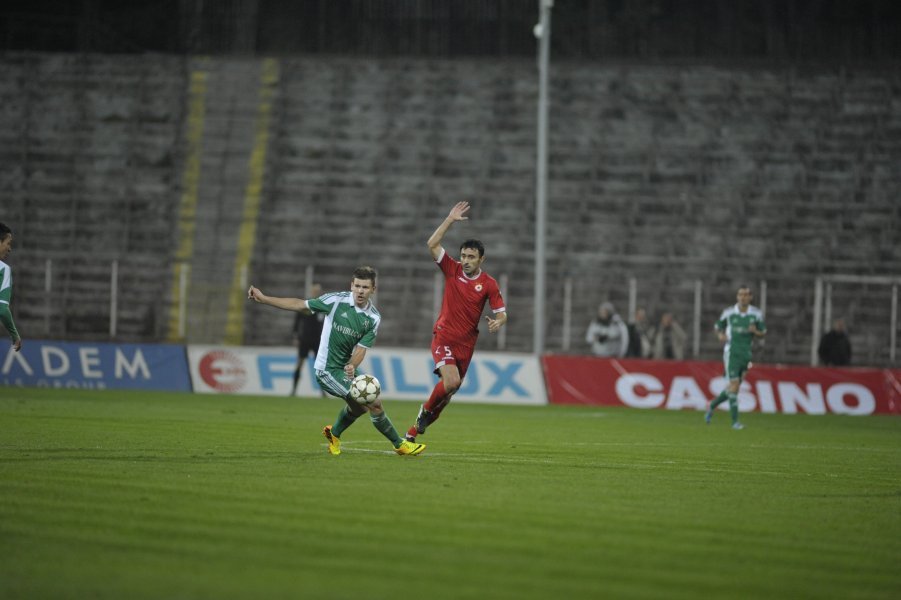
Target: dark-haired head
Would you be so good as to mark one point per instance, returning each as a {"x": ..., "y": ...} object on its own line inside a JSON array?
[
  {"x": 475, "y": 245},
  {"x": 365, "y": 272},
  {"x": 6, "y": 241}
]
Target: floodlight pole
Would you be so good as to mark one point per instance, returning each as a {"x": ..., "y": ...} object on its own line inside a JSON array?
[
  {"x": 817, "y": 321},
  {"x": 543, "y": 33},
  {"x": 114, "y": 299}
]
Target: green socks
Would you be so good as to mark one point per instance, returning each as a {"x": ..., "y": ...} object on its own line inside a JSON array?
[
  {"x": 733, "y": 404},
  {"x": 345, "y": 420},
  {"x": 724, "y": 395},
  {"x": 385, "y": 427},
  {"x": 733, "y": 407},
  {"x": 379, "y": 421}
]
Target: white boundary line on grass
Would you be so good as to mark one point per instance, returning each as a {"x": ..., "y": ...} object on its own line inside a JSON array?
[{"x": 494, "y": 458}]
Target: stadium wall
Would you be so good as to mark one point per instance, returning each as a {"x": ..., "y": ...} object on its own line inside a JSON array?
[{"x": 666, "y": 174}]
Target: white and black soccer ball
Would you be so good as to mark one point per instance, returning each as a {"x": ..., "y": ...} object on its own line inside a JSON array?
[{"x": 365, "y": 389}]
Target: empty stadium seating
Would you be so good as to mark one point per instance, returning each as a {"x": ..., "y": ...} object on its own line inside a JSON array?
[
  {"x": 666, "y": 173},
  {"x": 91, "y": 146}
]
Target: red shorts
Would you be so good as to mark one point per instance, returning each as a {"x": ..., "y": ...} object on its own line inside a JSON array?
[{"x": 449, "y": 353}]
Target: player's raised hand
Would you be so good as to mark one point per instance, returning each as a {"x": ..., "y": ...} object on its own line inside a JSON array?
[
  {"x": 254, "y": 294},
  {"x": 458, "y": 211}
]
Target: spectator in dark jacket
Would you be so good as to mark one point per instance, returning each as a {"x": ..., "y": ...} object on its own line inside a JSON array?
[
  {"x": 308, "y": 332},
  {"x": 835, "y": 346},
  {"x": 640, "y": 335}
]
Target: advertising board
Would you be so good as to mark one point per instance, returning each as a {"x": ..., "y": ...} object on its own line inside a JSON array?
[
  {"x": 493, "y": 377},
  {"x": 96, "y": 365},
  {"x": 675, "y": 385}
]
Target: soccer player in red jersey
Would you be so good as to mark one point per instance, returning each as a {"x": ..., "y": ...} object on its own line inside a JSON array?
[{"x": 466, "y": 290}]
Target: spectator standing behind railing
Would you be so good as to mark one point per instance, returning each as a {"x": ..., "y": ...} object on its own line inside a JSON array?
[
  {"x": 607, "y": 334},
  {"x": 6, "y": 286},
  {"x": 640, "y": 335},
  {"x": 835, "y": 346},
  {"x": 669, "y": 339}
]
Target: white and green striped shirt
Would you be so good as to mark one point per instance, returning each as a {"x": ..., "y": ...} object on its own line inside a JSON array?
[
  {"x": 6, "y": 282},
  {"x": 345, "y": 327},
  {"x": 735, "y": 324},
  {"x": 6, "y": 292}
]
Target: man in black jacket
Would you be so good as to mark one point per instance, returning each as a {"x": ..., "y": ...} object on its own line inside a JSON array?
[
  {"x": 307, "y": 332},
  {"x": 835, "y": 346}
]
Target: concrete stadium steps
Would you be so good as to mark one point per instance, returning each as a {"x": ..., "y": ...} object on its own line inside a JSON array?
[
  {"x": 57, "y": 316},
  {"x": 641, "y": 160},
  {"x": 95, "y": 153},
  {"x": 232, "y": 101},
  {"x": 666, "y": 173},
  {"x": 385, "y": 138}
]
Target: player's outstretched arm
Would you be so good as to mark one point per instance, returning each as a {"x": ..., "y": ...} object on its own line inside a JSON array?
[
  {"x": 456, "y": 214},
  {"x": 295, "y": 304}
]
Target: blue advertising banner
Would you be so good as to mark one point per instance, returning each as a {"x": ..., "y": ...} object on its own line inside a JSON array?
[{"x": 98, "y": 365}]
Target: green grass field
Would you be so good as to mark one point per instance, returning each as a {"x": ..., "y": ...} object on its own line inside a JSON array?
[{"x": 157, "y": 495}]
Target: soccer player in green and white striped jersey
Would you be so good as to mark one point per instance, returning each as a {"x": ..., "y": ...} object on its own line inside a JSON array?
[
  {"x": 737, "y": 327},
  {"x": 350, "y": 328},
  {"x": 6, "y": 286}
]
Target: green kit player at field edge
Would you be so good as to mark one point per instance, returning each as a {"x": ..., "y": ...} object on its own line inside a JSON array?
[
  {"x": 350, "y": 328},
  {"x": 6, "y": 286},
  {"x": 737, "y": 327}
]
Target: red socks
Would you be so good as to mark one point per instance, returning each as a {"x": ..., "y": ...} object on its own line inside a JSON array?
[{"x": 436, "y": 399}]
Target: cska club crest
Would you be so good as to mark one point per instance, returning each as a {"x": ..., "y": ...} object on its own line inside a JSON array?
[{"x": 478, "y": 287}]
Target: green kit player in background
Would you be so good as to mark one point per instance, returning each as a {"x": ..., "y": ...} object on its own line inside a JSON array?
[
  {"x": 737, "y": 327},
  {"x": 350, "y": 328},
  {"x": 6, "y": 286}
]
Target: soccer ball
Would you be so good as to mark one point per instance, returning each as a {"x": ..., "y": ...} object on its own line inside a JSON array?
[{"x": 365, "y": 389}]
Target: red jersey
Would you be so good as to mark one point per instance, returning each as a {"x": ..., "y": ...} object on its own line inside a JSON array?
[{"x": 464, "y": 299}]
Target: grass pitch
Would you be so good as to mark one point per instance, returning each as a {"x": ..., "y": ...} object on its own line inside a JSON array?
[{"x": 107, "y": 494}]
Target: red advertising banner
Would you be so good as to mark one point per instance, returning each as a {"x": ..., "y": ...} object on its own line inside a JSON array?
[{"x": 676, "y": 385}]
